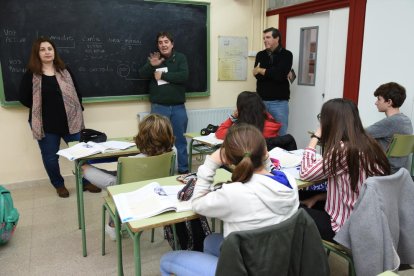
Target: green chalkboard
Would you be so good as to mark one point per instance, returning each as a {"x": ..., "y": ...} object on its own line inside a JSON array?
[{"x": 104, "y": 42}]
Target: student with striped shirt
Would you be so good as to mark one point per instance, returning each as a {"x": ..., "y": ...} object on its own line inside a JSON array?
[{"x": 349, "y": 156}]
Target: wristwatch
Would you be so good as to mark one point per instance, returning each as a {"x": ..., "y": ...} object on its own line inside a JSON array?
[{"x": 314, "y": 136}]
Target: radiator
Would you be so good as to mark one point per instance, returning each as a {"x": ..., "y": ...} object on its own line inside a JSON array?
[{"x": 200, "y": 118}]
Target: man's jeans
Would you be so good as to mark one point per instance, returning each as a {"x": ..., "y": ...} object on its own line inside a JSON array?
[
  {"x": 49, "y": 146},
  {"x": 280, "y": 112},
  {"x": 179, "y": 120}
]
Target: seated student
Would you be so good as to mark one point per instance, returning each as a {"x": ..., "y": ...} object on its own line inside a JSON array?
[
  {"x": 155, "y": 137},
  {"x": 251, "y": 110},
  {"x": 349, "y": 157},
  {"x": 253, "y": 199},
  {"x": 390, "y": 96}
]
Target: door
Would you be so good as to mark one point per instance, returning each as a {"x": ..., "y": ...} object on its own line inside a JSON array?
[{"x": 323, "y": 66}]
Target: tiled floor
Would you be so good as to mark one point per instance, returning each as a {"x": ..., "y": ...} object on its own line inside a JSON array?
[{"x": 47, "y": 240}]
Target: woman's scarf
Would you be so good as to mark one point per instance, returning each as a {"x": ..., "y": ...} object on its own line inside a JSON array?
[{"x": 70, "y": 99}]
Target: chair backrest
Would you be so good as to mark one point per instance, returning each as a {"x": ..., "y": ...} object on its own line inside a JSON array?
[
  {"x": 401, "y": 145},
  {"x": 385, "y": 206},
  {"x": 132, "y": 169},
  {"x": 291, "y": 247}
]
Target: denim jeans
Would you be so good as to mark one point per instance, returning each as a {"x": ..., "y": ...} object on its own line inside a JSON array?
[
  {"x": 49, "y": 146},
  {"x": 179, "y": 120},
  {"x": 280, "y": 112},
  {"x": 190, "y": 263}
]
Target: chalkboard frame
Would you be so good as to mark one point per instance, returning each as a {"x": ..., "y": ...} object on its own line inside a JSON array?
[{"x": 140, "y": 97}]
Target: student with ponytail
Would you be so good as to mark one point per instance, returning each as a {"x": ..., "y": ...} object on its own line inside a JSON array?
[{"x": 253, "y": 199}]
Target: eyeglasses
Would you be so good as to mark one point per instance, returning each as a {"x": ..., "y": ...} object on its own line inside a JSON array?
[{"x": 318, "y": 116}]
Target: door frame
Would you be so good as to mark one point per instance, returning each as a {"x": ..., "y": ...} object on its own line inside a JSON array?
[{"x": 355, "y": 35}]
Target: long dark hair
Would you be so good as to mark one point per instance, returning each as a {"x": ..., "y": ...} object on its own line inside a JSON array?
[
  {"x": 244, "y": 149},
  {"x": 340, "y": 122},
  {"x": 35, "y": 64},
  {"x": 251, "y": 109}
]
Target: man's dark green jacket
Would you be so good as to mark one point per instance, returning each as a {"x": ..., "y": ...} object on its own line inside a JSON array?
[{"x": 172, "y": 93}]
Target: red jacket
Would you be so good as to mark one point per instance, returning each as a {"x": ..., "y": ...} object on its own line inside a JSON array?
[{"x": 270, "y": 129}]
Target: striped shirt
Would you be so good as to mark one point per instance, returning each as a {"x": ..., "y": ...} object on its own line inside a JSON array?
[{"x": 340, "y": 198}]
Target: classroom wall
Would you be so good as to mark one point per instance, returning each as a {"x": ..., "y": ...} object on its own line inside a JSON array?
[
  {"x": 387, "y": 54},
  {"x": 20, "y": 158}
]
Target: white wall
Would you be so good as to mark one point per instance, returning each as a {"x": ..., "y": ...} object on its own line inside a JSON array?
[
  {"x": 20, "y": 156},
  {"x": 388, "y": 54}
]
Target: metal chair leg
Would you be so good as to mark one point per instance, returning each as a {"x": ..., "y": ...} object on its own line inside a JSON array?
[{"x": 103, "y": 228}]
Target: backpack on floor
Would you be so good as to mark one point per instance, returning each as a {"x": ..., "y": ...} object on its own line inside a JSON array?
[{"x": 9, "y": 216}]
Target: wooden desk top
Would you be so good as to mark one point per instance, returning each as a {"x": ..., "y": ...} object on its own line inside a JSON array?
[
  {"x": 191, "y": 135},
  {"x": 166, "y": 218}
]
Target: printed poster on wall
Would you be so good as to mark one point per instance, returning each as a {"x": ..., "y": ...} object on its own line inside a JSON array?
[{"x": 232, "y": 58}]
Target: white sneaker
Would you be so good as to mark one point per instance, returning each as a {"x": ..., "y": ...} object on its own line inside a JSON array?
[{"x": 110, "y": 231}]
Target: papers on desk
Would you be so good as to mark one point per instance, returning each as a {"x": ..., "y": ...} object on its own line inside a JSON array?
[
  {"x": 149, "y": 201},
  {"x": 286, "y": 158},
  {"x": 209, "y": 139},
  {"x": 292, "y": 171},
  {"x": 90, "y": 148},
  {"x": 290, "y": 161}
]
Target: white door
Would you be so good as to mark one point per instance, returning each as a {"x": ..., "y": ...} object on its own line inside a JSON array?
[{"x": 328, "y": 71}]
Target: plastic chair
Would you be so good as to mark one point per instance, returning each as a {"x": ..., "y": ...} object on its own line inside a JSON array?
[
  {"x": 342, "y": 252},
  {"x": 132, "y": 169},
  {"x": 402, "y": 145},
  {"x": 291, "y": 247}
]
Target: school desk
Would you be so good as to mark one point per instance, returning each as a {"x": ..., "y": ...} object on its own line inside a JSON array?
[
  {"x": 201, "y": 147},
  {"x": 79, "y": 183},
  {"x": 135, "y": 228}
]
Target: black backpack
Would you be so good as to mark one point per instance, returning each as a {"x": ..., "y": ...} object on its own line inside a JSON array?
[{"x": 89, "y": 134}]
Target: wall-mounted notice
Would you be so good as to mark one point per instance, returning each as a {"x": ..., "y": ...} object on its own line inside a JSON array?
[{"x": 232, "y": 58}]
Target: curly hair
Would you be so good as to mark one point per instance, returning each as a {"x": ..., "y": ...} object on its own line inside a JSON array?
[{"x": 155, "y": 135}]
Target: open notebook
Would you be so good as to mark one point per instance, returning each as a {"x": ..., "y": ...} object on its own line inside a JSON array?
[
  {"x": 149, "y": 201},
  {"x": 90, "y": 148}
]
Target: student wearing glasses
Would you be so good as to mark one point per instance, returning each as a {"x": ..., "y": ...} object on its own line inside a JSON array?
[{"x": 349, "y": 156}]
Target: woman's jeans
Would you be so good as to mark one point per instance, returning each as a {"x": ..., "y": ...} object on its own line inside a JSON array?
[
  {"x": 179, "y": 120},
  {"x": 190, "y": 263},
  {"x": 49, "y": 146}
]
